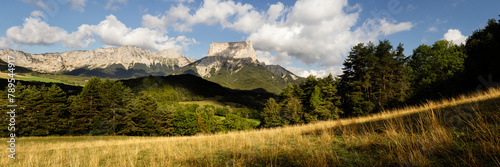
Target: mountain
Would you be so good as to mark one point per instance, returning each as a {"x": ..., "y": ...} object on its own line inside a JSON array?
[
  {"x": 234, "y": 65},
  {"x": 230, "y": 64},
  {"x": 123, "y": 62}
]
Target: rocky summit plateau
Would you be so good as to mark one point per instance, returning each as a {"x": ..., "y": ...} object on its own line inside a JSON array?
[
  {"x": 231, "y": 64},
  {"x": 126, "y": 56}
]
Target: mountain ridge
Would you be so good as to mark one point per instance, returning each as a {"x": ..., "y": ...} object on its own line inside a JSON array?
[{"x": 231, "y": 64}]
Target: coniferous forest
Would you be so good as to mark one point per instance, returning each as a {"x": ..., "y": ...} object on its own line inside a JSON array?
[{"x": 376, "y": 77}]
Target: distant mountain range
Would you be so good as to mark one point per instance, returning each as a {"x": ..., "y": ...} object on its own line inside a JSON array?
[{"x": 232, "y": 64}]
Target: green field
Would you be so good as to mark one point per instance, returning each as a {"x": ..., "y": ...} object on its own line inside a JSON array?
[
  {"x": 26, "y": 77},
  {"x": 214, "y": 101}
]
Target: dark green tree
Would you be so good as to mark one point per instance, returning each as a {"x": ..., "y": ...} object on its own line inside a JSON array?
[
  {"x": 293, "y": 111},
  {"x": 481, "y": 66},
  {"x": 55, "y": 109},
  {"x": 86, "y": 107},
  {"x": 270, "y": 116},
  {"x": 356, "y": 81},
  {"x": 432, "y": 69},
  {"x": 373, "y": 78}
]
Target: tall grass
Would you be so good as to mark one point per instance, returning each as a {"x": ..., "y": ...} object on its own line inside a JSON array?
[{"x": 456, "y": 132}]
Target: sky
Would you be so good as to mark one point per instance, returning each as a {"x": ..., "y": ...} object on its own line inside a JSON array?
[{"x": 307, "y": 37}]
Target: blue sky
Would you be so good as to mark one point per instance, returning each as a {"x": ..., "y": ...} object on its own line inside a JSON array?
[{"x": 304, "y": 36}]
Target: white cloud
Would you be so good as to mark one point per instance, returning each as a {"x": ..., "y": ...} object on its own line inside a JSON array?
[
  {"x": 321, "y": 32},
  {"x": 35, "y": 31},
  {"x": 81, "y": 38},
  {"x": 37, "y": 13},
  {"x": 281, "y": 58},
  {"x": 111, "y": 32},
  {"x": 432, "y": 29},
  {"x": 334, "y": 70},
  {"x": 78, "y": 4},
  {"x": 391, "y": 28},
  {"x": 313, "y": 31},
  {"x": 228, "y": 14},
  {"x": 4, "y": 43},
  {"x": 455, "y": 36},
  {"x": 110, "y": 5}
]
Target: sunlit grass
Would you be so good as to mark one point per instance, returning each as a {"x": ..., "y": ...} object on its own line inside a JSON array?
[{"x": 464, "y": 131}]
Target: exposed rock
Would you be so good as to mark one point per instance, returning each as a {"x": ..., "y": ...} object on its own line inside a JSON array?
[
  {"x": 280, "y": 71},
  {"x": 233, "y": 50},
  {"x": 205, "y": 65},
  {"x": 127, "y": 56},
  {"x": 191, "y": 59}
]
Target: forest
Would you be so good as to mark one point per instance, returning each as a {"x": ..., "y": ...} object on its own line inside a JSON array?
[{"x": 376, "y": 77}]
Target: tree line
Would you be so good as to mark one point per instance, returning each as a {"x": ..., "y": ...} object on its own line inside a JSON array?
[
  {"x": 107, "y": 107},
  {"x": 379, "y": 77}
]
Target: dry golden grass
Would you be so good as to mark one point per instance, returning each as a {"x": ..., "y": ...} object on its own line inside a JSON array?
[{"x": 426, "y": 135}]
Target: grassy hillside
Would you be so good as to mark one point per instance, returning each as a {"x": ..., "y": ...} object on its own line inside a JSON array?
[
  {"x": 187, "y": 87},
  {"x": 249, "y": 77},
  {"x": 463, "y": 131}
]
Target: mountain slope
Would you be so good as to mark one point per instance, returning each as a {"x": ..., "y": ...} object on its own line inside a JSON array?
[
  {"x": 240, "y": 73},
  {"x": 124, "y": 61},
  {"x": 231, "y": 64},
  {"x": 188, "y": 87},
  {"x": 234, "y": 65}
]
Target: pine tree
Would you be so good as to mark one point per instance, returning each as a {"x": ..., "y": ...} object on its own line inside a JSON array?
[
  {"x": 356, "y": 80},
  {"x": 293, "y": 111},
  {"x": 331, "y": 100},
  {"x": 270, "y": 115},
  {"x": 54, "y": 108},
  {"x": 86, "y": 106},
  {"x": 34, "y": 117}
]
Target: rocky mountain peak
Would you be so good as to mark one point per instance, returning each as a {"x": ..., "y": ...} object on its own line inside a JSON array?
[
  {"x": 127, "y": 56},
  {"x": 233, "y": 49}
]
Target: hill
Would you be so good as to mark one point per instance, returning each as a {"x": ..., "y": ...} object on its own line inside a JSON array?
[
  {"x": 459, "y": 132},
  {"x": 188, "y": 87}
]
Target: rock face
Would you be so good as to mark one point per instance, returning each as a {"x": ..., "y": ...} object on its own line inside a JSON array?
[
  {"x": 233, "y": 49},
  {"x": 127, "y": 56},
  {"x": 231, "y": 64}
]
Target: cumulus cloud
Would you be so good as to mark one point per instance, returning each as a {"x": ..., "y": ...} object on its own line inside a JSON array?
[
  {"x": 280, "y": 58},
  {"x": 313, "y": 31},
  {"x": 115, "y": 33},
  {"x": 36, "y": 31},
  {"x": 111, "y": 32},
  {"x": 321, "y": 32},
  {"x": 455, "y": 36},
  {"x": 228, "y": 14}
]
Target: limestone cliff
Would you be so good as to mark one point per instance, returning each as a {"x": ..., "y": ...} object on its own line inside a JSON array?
[
  {"x": 127, "y": 56},
  {"x": 233, "y": 50}
]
